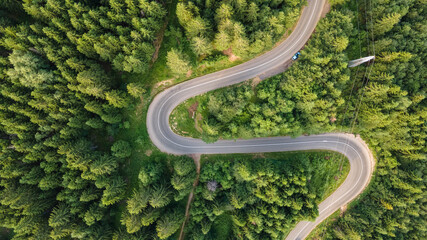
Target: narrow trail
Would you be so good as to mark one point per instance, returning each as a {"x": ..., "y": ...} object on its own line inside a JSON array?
[{"x": 196, "y": 158}]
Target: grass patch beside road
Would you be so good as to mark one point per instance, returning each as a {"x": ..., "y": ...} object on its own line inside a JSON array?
[
  {"x": 318, "y": 232},
  {"x": 181, "y": 122}
]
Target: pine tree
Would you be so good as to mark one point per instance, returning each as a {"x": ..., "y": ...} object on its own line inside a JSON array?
[
  {"x": 117, "y": 98},
  {"x": 60, "y": 216},
  {"x": 177, "y": 62},
  {"x": 222, "y": 41},
  {"x": 114, "y": 191},
  {"x": 340, "y": 43},
  {"x": 132, "y": 222},
  {"x": 93, "y": 214},
  {"x": 160, "y": 196},
  {"x": 138, "y": 201},
  {"x": 224, "y": 12},
  {"x": 104, "y": 165},
  {"x": 149, "y": 216},
  {"x": 95, "y": 122},
  {"x": 135, "y": 90},
  {"x": 168, "y": 224},
  {"x": 201, "y": 46},
  {"x": 386, "y": 23}
]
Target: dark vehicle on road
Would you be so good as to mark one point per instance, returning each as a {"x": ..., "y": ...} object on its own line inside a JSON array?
[{"x": 295, "y": 57}]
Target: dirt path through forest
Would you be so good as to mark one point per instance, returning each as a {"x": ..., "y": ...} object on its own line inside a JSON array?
[{"x": 196, "y": 158}]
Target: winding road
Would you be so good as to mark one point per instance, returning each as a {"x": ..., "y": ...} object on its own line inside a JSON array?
[{"x": 357, "y": 152}]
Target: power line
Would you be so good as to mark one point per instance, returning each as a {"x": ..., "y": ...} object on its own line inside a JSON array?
[
  {"x": 356, "y": 113},
  {"x": 354, "y": 83},
  {"x": 370, "y": 69}
]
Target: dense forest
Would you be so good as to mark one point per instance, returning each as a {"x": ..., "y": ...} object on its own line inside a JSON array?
[
  {"x": 240, "y": 26},
  {"x": 384, "y": 101},
  {"x": 238, "y": 29},
  {"x": 262, "y": 198},
  {"x": 61, "y": 107},
  {"x": 66, "y": 98},
  {"x": 154, "y": 206},
  {"x": 392, "y": 117}
]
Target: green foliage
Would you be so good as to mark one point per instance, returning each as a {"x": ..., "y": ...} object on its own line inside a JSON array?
[
  {"x": 29, "y": 70},
  {"x": 150, "y": 173},
  {"x": 337, "y": 2},
  {"x": 60, "y": 216},
  {"x": 114, "y": 191},
  {"x": 168, "y": 224},
  {"x": 183, "y": 166},
  {"x": 132, "y": 222},
  {"x": 61, "y": 102},
  {"x": 94, "y": 214},
  {"x": 135, "y": 90},
  {"x": 104, "y": 165},
  {"x": 138, "y": 201},
  {"x": 160, "y": 196},
  {"x": 238, "y": 26},
  {"x": 386, "y": 23},
  {"x": 121, "y": 149},
  {"x": 392, "y": 119},
  {"x": 301, "y": 100},
  {"x": 265, "y": 197},
  {"x": 201, "y": 46},
  {"x": 156, "y": 201},
  {"x": 177, "y": 62},
  {"x": 117, "y": 98}
]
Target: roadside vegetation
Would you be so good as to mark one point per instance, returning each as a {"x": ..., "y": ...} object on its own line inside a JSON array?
[
  {"x": 202, "y": 38},
  {"x": 235, "y": 28},
  {"x": 304, "y": 99}
]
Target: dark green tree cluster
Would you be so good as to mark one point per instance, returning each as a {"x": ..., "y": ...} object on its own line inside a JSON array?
[
  {"x": 61, "y": 104},
  {"x": 392, "y": 118},
  {"x": 302, "y": 100},
  {"x": 48, "y": 160},
  {"x": 154, "y": 210},
  {"x": 265, "y": 197},
  {"x": 242, "y": 26},
  {"x": 74, "y": 35}
]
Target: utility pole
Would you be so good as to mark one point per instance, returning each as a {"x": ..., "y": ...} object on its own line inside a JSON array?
[{"x": 357, "y": 62}]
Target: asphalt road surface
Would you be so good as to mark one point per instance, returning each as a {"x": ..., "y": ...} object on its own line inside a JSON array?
[{"x": 357, "y": 152}]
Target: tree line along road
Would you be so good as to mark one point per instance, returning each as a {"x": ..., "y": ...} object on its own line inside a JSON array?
[{"x": 357, "y": 152}]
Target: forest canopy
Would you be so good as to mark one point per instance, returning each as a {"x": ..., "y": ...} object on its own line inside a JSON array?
[
  {"x": 71, "y": 72},
  {"x": 62, "y": 105},
  {"x": 263, "y": 197},
  {"x": 241, "y": 26}
]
